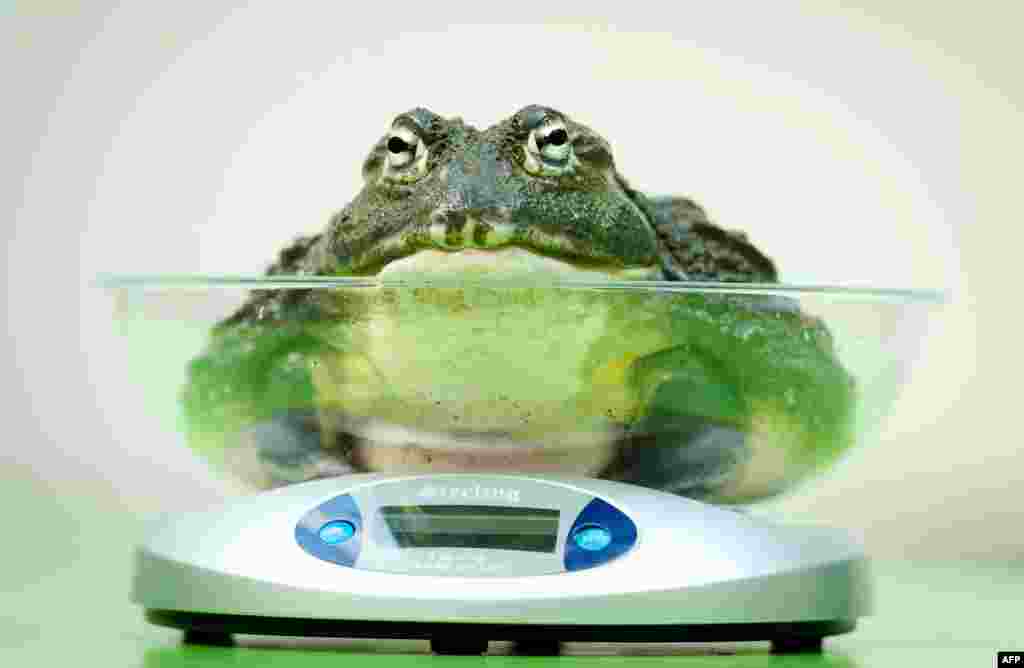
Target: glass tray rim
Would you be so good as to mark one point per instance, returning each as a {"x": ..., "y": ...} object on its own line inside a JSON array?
[{"x": 296, "y": 281}]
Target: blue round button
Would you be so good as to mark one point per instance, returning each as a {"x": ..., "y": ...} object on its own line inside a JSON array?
[
  {"x": 336, "y": 532},
  {"x": 592, "y": 538}
]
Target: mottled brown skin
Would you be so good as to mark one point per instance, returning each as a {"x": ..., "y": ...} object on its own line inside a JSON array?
[
  {"x": 538, "y": 181},
  {"x": 485, "y": 178}
]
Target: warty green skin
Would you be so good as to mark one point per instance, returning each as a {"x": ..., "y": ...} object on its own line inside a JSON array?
[{"x": 733, "y": 377}]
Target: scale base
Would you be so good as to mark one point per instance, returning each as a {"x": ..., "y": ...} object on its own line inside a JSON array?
[
  {"x": 699, "y": 573},
  {"x": 456, "y": 638}
]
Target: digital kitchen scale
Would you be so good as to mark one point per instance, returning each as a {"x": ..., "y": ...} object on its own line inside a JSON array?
[{"x": 461, "y": 559}]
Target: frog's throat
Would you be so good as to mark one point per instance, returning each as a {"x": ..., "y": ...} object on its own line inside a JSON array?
[{"x": 506, "y": 262}]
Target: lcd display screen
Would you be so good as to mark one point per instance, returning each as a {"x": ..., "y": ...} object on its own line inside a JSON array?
[{"x": 493, "y": 527}]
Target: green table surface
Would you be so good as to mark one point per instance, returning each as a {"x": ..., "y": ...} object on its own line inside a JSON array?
[{"x": 64, "y": 600}]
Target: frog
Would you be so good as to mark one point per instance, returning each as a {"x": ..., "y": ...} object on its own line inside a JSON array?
[{"x": 717, "y": 396}]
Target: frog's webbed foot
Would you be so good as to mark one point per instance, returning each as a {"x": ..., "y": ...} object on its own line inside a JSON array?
[
  {"x": 685, "y": 455},
  {"x": 289, "y": 449}
]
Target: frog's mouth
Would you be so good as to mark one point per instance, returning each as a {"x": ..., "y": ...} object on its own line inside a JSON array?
[{"x": 451, "y": 245}]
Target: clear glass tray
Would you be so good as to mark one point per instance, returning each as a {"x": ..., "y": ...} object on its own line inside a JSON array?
[{"x": 726, "y": 392}]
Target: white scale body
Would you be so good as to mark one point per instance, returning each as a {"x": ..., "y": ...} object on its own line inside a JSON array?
[{"x": 516, "y": 556}]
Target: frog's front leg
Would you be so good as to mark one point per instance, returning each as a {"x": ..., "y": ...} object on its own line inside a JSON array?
[
  {"x": 690, "y": 437},
  {"x": 250, "y": 406},
  {"x": 289, "y": 449}
]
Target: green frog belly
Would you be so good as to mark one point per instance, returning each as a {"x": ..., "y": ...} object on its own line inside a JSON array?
[{"x": 488, "y": 370}]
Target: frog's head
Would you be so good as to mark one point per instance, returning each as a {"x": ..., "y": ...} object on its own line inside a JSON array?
[{"x": 536, "y": 193}]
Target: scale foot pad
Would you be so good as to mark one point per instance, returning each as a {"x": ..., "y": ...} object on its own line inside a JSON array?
[
  {"x": 210, "y": 638},
  {"x": 797, "y": 645},
  {"x": 466, "y": 638}
]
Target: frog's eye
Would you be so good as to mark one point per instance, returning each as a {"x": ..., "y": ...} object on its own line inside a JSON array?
[
  {"x": 549, "y": 151},
  {"x": 405, "y": 155}
]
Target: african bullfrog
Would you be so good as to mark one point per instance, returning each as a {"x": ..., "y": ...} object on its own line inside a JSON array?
[{"x": 718, "y": 396}]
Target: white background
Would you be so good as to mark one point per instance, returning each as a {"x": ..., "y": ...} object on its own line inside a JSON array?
[{"x": 876, "y": 146}]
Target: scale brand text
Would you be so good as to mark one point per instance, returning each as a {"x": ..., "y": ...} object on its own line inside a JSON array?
[{"x": 475, "y": 491}]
